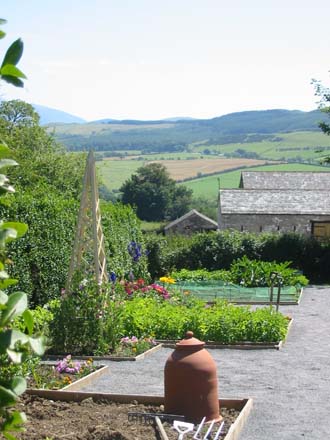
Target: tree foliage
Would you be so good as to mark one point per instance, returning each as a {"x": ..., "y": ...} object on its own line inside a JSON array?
[
  {"x": 43, "y": 161},
  {"x": 155, "y": 195},
  {"x": 324, "y": 105},
  {"x": 17, "y": 113}
]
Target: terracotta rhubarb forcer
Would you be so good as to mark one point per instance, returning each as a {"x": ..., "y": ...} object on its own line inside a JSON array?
[{"x": 191, "y": 384}]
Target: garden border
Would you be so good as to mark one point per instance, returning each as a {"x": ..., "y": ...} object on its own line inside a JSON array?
[{"x": 243, "y": 405}]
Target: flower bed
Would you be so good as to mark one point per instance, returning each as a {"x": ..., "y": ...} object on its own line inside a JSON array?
[
  {"x": 88, "y": 324},
  {"x": 65, "y": 374}
]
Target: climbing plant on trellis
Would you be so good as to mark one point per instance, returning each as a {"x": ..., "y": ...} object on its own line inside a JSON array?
[{"x": 88, "y": 254}]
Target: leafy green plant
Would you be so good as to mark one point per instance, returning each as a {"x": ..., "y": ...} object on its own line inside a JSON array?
[
  {"x": 15, "y": 345},
  {"x": 253, "y": 273},
  {"x": 221, "y": 322},
  {"x": 88, "y": 320},
  {"x": 201, "y": 275}
]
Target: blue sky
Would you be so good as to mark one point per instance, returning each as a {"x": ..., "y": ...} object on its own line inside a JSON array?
[{"x": 152, "y": 59}]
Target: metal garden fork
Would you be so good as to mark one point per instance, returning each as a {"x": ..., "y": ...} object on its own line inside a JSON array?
[{"x": 198, "y": 434}]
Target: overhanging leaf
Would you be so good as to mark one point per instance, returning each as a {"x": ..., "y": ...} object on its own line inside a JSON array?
[
  {"x": 7, "y": 397},
  {"x": 9, "y": 338},
  {"x": 12, "y": 80},
  {"x": 18, "y": 385},
  {"x": 7, "y": 163},
  {"x": 20, "y": 228},
  {"x": 15, "y": 356},
  {"x": 6, "y": 234},
  {"x": 7, "y": 282},
  {"x": 14, "y": 53},
  {"x": 13, "y": 422},
  {"x": 3, "y": 297},
  {"x": 11, "y": 70},
  {"x": 28, "y": 321},
  {"x": 15, "y": 306},
  {"x": 38, "y": 345}
]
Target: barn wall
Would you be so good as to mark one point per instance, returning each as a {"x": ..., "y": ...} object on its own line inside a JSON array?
[
  {"x": 190, "y": 225},
  {"x": 270, "y": 223}
]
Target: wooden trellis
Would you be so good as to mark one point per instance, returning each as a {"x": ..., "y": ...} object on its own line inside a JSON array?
[{"x": 88, "y": 253}]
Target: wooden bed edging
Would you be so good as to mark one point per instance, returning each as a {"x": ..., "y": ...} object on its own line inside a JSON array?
[
  {"x": 78, "y": 384},
  {"x": 107, "y": 358},
  {"x": 242, "y": 405}
]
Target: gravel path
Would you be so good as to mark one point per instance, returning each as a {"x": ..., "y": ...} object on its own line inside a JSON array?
[{"x": 290, "y": 387}]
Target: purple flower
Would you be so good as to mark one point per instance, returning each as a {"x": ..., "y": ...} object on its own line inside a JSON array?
[{"x": 112, "y": 277}]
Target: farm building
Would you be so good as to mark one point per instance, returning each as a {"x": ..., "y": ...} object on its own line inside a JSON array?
[
  {"x": 278, "y": 202},
  {"x": 191, "y": 222},
  {"x": 285, "y": 180}
]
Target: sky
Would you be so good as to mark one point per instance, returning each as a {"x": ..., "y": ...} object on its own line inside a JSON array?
[{"x": 154, "y": 59}]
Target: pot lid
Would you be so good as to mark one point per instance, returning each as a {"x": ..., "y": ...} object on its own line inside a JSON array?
[{"x": 190, "y": 342}]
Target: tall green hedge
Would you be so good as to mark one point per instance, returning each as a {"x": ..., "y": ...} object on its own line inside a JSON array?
[
  {"x": 122, "y": 227},
  {"x": 42, "y": 256},
  {"x": 217, "y": 250}
]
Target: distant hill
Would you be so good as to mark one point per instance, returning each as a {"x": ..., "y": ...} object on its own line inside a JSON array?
[
  {"x": 52, "y": 116},
  {"x": 177, "y": 134}
]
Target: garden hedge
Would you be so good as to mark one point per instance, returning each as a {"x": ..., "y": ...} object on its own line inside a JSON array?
[
  {"x": 217, "y": 250},
  {"x": 41, "y": 258}
]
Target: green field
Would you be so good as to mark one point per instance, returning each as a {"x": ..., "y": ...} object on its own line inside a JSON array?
[
  {"x": 302, "y": 144},
  {"x": 207, "y": 187},
  {"x": 113, "y": 173}
]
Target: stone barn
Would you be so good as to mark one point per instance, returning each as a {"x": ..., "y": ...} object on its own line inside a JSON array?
[
  {"x": 191, "y": 222},
  {"x": 278, "y": 202},
  {"x": 283, "y": 180}
]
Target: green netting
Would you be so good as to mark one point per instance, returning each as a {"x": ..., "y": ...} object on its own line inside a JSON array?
[{"x": 211, "y": 290}]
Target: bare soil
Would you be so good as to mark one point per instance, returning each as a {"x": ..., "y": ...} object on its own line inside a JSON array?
[{"x": 90, "y": 420}]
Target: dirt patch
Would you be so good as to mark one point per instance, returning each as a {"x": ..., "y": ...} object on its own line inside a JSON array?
[
  {"x": 182, "y": 169},
  {"x": 89, "y": 420}
]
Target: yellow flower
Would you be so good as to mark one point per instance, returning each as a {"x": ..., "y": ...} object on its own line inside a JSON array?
[
  {"x": 167, "y": 280},
  {"x": 186, "y": 292}
]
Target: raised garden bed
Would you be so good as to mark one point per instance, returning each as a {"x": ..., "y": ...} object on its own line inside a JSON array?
[
  {"x": 138, "y": 357},
  {"x": 50, "y": 379},
  {"x": 238, "y": 346},
  {"x": 102, "y": 416}
]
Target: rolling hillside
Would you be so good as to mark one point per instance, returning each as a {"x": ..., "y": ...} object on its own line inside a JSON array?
[{"x": 180, "y": 135}]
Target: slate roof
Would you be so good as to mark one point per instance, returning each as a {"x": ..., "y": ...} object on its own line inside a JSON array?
[
  {"x": 285, "y": 180},
  {"x": 249, "y": 201},
  {"x": 191, "y": 213}
]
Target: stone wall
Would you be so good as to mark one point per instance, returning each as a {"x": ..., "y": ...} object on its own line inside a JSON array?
[{"x": 300, "y": 223}]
